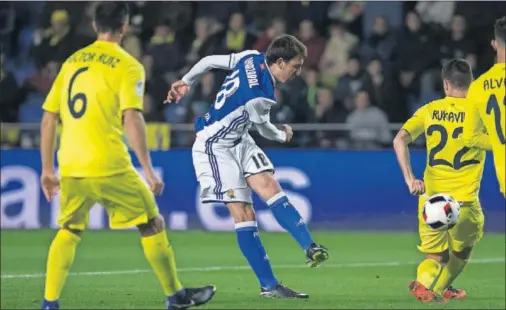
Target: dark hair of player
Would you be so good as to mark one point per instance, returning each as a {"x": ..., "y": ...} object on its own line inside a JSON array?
[
  {"x": 285, "y": 47},
  {"x": 500, "y": 30},
  {"x": 111, "y": 16},
  {"x": 458, "y": 72}
]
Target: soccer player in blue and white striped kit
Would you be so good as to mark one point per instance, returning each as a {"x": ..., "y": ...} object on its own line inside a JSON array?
[{"x": 229, "y": 164}]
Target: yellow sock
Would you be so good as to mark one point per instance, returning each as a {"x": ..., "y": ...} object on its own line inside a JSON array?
[
  {"x": 427, "y": 272},
  {"x": 161, "y": 258},
  {"x": 449, "y": 274},
  {"x": 60, "y": 258}
]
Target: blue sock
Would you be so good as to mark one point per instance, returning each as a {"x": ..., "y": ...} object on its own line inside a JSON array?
[
  {"x": 252, "y": 248},
  {"x": 50, "y": 304},
  {"x": 289, "y": 218}
]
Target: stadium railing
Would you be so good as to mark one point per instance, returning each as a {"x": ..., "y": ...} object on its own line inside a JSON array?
[{"x": 163, "y": 136}]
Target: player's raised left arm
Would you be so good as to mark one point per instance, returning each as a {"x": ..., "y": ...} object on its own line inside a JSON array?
[
  {"x": 224, "y": 62},
  {"x": 474, "y": 135}
]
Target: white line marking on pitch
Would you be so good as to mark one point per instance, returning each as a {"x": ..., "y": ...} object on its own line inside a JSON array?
[{"x": 219, "y": 268}]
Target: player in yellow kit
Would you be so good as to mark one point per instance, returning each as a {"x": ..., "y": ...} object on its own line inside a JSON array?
[
  {"x": 487, "y": 106},
  {"x": 98, "y": 88},
  {"x": 453, "y": 169}
]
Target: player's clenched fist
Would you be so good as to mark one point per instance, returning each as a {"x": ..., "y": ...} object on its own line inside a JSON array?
[
  {"x": 289, "y": 133},
  {"x": 416, "y": 187},
  {"x": 155, "y": 184},
  {"x": 50, "y": 185},
  {"x": 177, "y": 91}
]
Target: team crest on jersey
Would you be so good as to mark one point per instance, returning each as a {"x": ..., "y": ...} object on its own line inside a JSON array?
[
  {"x": 262, "y": 66},
  {"x": 231, "y": 194},
  {"x": 139, "y": 88}
]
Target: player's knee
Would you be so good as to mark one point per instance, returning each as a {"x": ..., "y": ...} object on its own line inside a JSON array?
[
  {"x": 442, "y": 258},
  {"x": 465, "y": 254},
  {"x": 264, "y": 184},
  {"x": 152, "y": 227},
  {"x": 241, "y": 212}
]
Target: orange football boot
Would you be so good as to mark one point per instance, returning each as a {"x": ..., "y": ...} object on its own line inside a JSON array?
[
  {"x": 421, "y": 292},
  {"x": 454, "y": 293}
]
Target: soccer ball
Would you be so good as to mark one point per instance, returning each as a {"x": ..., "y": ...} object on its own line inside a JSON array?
[{"x": 441, "y": 212}]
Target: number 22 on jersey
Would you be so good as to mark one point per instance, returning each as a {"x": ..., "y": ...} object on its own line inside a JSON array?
[
  {"x": 77, "y": 97},
  {"x": 229, "y": 87},
  {"x": 457, "y": 163}
]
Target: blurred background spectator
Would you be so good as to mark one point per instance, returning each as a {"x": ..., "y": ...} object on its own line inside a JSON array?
[
  {"x": 368, "y": 124},
  {"x": 365, "y": 68}
]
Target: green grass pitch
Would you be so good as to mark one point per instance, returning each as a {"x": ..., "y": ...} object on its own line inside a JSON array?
[{"x": 366, "y": 270}]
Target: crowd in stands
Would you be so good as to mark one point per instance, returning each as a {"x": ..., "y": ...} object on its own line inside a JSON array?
[{"x": 359, "y": 75}]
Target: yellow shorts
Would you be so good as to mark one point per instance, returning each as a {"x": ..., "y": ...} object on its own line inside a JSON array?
[
  {"x": 467, "y": 232},
  {"x": 126, "y": 198}
]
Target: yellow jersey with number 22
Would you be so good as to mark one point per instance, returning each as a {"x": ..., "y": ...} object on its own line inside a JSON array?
[{"x": 451, "y": 167}]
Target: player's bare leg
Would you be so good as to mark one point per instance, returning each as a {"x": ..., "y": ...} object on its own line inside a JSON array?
[
  {"x": 287, "y": 216},
  {"x": 159, "y": 254},
  {"x": 427, "y": 272},
  {"x": 251, "y": 247},
  {"x": 60, "y": 259},
  {"x": 455, "y": 265}
]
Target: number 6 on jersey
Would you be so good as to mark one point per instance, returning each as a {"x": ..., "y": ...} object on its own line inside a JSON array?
[{"x": 72, "y": 100}]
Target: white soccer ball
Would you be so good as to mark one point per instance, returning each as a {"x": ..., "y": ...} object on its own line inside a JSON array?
[{"x": 441, "y": 212}]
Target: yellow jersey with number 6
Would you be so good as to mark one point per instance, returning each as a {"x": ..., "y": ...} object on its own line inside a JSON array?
[
  {"x": 487, "y": 105},
  {"x": 451, "y": 167},
  {"x": 94, "y": 86}
]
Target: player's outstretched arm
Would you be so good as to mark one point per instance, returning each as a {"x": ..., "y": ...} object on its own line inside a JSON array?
[
  {"x": 224, "y": 62},
  {"x": 401, "y": 142},
  {"x": 207, "y": 63}
]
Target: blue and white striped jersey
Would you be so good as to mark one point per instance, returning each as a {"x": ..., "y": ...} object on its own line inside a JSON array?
[{"x": 244, "y": 99}]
